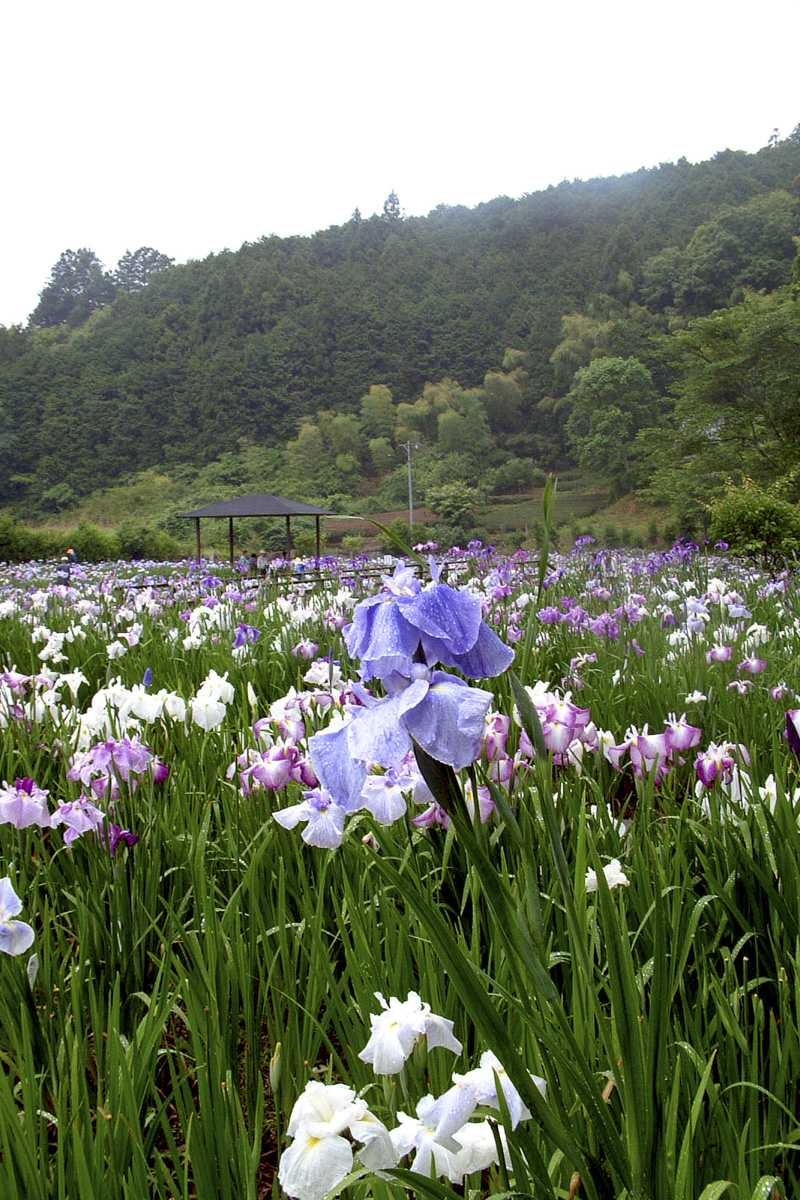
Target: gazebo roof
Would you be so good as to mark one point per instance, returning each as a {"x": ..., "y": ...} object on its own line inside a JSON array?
[{"x": 259, "y": 505}]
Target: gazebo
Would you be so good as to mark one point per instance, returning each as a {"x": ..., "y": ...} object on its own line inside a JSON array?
[{"x": 258, "y": 506}]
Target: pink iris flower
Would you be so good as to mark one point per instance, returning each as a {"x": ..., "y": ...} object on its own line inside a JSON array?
[
  {"x": 752, "y": 665},
  {"x": 718, "y": 654}
]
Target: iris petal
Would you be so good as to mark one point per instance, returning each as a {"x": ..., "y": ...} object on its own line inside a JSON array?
[{"x": 449, "y": 723}]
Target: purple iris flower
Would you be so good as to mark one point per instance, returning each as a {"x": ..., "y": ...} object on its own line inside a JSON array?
[
  {"x": 147, "y": 678},
  {"x": 117, "y": 834},
  {"x": 793, "y": 729},
  {"x": 718, "y": 762},
  {"x": 305, "y": 648},
  {"x": 604, "y": 625},
  {"x": 244, "y": 634},
  {"x": 400, "y": 635},
  {"x": 550, "y": 615},
  {"x": 103, "y": 765},
  {"x": 752, "y": 665},
  {"x": 15, "y": 936},
  {"x": 272, "y": 769},
  {"x": 680, "y": 734}
]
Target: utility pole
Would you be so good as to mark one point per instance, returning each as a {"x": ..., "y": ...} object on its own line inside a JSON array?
[{"x": 408, "y": 446}]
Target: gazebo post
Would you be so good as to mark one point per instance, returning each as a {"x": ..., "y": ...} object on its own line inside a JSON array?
[
  {"x": 288, "y": 538},
  {"x": 316, "y": 522},
  {"x": 230, "y": 536},
  {"x": 197, "y": 526}
]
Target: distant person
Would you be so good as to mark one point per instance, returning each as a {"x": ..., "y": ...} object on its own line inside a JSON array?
[
  {"x": 71, "y": 556},
  {"x": 63, "y": 570},
  {"x": 262, "y": 562},
  {"x": 252, "y": 564}
]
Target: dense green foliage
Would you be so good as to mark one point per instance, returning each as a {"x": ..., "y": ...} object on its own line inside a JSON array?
[
  {"x": 311, "y": 362},
  {"x": 756, "y": 522},
  {"x": 132, "y": 540}
]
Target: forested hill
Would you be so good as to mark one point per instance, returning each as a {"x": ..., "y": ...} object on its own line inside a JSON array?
[{"x": 236, "y": 349}]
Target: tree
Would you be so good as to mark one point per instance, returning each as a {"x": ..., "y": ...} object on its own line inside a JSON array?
[
  {"x": 345, "y": 436},
  {"x": 578, "y": 339},
  {"x": 660, "y": 276},
  {"x": 455, "y": 503},
  {"x": 741, "y": 382},
  {"x": 612, "y": 398},
  {"x": 391, "y": 208},
  {"x": 746, "y": 245},
  {"x": 134, "y": 271},
  {"x": 382, "y": 455},
  {"x": 462, "y": 426},
  {"x": 79, "y": 284},
  {"x": 306, "y": 454},
  {"x": 378, "y": 412},
  {"x": 502, "y": 400}
]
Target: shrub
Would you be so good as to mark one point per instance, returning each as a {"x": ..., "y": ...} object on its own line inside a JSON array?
[
  {"x": 611, "y": 537},
  {"x": 447, "y": 536},
  {"x": 92, "y": 544},
  {"x": 18, "y": 544},
  {"x": 455, "y": 503},
  {"x": 143, "y": 541},
  {"x": 755, "y": 522},
  {"x": 400, "y": 529},
  {"x": 305, "y": 542},
  {"x": 516, "y": 475},
  {"x": 352, "y": 543}
]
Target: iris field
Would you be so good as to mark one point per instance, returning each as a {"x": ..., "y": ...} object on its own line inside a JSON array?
[{"x": 477, "y": 885}]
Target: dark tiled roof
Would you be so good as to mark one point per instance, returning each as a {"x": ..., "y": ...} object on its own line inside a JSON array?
[{"x": 260, "y": 505}]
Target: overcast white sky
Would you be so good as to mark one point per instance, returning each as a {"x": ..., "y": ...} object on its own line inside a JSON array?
[{"x": 196, "y": 125}]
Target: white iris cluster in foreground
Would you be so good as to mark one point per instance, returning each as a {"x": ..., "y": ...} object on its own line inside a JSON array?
[{"x": 328, "y": 1118}]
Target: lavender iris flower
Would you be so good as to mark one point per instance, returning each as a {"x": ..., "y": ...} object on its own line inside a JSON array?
[
  {"x": 406, "y": 623},
  {"x": 323, "y": 816},
  {"x": 24, "y": 804},
  {"x": 400, "y": 635},
  {"x": 339, "y": 772},
  {"x": 15, "y": 936},
  {"x": 79, "y": 816},
  {"x": 441, "y": 712}
]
